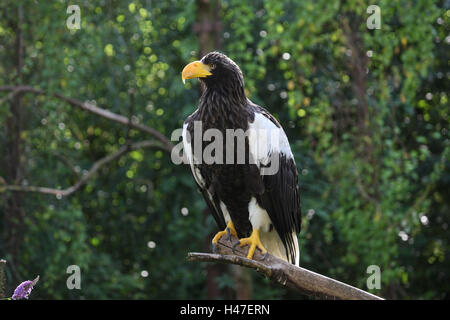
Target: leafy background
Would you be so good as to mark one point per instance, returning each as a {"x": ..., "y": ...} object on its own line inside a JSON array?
[{"x": 366, "y": 112}]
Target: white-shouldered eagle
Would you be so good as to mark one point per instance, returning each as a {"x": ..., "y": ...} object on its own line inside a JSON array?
[{"x": 262, "y": 210}]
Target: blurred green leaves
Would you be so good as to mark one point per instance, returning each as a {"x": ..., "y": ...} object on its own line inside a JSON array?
[{"x": 371, "y": 146}]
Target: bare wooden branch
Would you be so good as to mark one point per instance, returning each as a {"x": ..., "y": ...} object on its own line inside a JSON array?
[
  {"x": 84, "y": 178},
  {"x": 163, "y": 143},
  {"x": 15, "y": 90},
  {"x": 286, "y": 274}
]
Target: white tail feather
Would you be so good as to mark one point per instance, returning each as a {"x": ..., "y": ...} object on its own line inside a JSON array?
[
  {"x": 269, "y": 236},
  {"x": 273, "y": 244}
]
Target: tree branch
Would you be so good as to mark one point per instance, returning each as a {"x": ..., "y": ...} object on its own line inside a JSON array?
[
  {"x": 15, "y": 90},
  {"x": 95, "y": 167},
  {"x": 284, "y": 273}
]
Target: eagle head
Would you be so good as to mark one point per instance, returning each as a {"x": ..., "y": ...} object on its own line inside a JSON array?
[{"x": 215, "y": 70}]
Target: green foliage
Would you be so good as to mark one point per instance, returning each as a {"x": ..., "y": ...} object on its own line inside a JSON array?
[
  {"x": 366, "y": 112},
  {"x": 58, "y": 237},
  {"x": 371, "y": 177}
]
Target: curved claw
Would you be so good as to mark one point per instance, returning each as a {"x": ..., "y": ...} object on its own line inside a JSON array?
[
  {"x": 264, "y": 256},
  {"x": 254, "y": 242},
  {"x": 229, "y": 230},
  {"x": 229, "y": 234},
  {"x": 235, "y": 245}
]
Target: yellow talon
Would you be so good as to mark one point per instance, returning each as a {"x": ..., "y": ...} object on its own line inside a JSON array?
[
  {"x": 254, "y": 243},
  {"x": 230, "y": 228}
]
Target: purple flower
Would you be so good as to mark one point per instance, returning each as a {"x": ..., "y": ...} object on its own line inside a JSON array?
[{"x": 24, "y": 289}]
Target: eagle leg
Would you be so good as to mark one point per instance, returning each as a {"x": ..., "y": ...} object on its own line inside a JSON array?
[
  {"x": 254, "y": 241},
  {"x": 229, "y": 230}
]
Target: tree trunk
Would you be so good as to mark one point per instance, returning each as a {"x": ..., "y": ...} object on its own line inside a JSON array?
[
  {"x": 208, "y": 29},
  {"x": 14, "y": 214},
  {"x": 208, "y": 26},
  {"x": 243, "y": 283}
]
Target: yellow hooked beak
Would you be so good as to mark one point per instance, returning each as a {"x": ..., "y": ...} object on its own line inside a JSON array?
[{"x": 196, "y": 69}]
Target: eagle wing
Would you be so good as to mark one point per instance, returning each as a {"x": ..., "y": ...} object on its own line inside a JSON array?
[
  {"x": 281, "y": 192},
  {"x": 203, "y": 181}
]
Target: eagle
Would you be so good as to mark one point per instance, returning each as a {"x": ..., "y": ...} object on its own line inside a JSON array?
[{"x": 251, "y": 185}]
